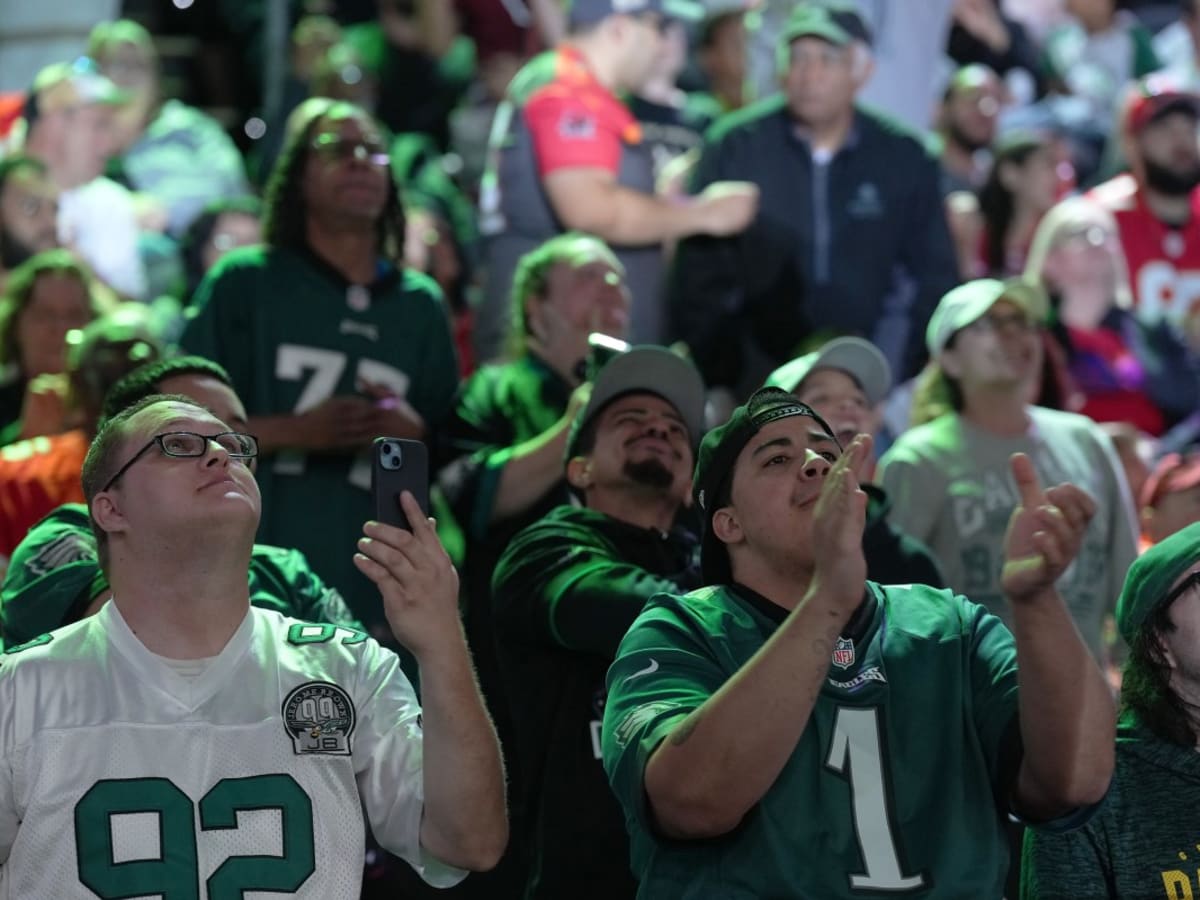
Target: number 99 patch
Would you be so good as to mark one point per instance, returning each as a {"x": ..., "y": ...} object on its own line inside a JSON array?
[{"x": 319, "y": 717}]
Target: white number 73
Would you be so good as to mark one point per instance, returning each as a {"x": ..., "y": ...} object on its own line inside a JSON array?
[{"x": 293, "y": 360}]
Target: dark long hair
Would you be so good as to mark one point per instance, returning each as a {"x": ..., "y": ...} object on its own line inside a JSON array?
[
  {"x": 22, "y": 282},
  {"x": 287, "y": 213},
  {"x": 1146, "y": 684},
  {"x": 996, "y": 201},
  {"x": 200, "y": 232},
  {"x": 13, "y": 254}
]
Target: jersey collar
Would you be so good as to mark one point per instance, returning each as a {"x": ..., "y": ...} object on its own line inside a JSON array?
[{"x": 189, "y": 693}]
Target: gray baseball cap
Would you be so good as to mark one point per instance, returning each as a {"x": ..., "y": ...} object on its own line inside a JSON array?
[
  {"x": 588, "y": 12},
  {"x": 647, "y": 369},
  {"x": 858, "y": 358}
]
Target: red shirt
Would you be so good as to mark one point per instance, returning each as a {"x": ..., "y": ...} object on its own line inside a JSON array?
[
  {"x": 575, "y": 121},
  {"x": 1164, "y": 262},
  {"x": 11, "y": 108},
  {"x": 1112, "y": 381},
  {"x": 36, "y": 476}
]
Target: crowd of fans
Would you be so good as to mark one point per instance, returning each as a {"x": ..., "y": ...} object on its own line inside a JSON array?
[{"x": 562, "y": 241}]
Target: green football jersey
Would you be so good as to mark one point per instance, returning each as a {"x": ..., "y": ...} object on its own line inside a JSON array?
[
  {"x": 293, "y": 333},
  {"x": 55, "y": 572},
  {"x": 891, "y": 790}
]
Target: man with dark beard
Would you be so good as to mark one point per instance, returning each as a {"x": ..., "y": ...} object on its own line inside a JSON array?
[
  {"x": 967, "y": 126},
  {"x": 1157, "y": 205},
  {"x": 565, "y": 592},
  {"x": 28, "y": 211}
]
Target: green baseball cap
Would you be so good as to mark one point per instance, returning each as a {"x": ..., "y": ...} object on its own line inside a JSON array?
[
  {"x": 1148, "y": 581},
  {"x": 970, "y": 302}
]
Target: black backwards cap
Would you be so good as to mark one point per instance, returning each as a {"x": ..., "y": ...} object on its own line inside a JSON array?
[{"x": 719, "y": 451}]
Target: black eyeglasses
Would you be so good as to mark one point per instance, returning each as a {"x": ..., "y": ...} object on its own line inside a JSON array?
[
  {"x": 332, "y": 147},
  {"x": 997, "y": 322},
  {"x": 184, "y": 444}
]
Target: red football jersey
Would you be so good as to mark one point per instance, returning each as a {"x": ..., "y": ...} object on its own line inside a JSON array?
[{"x": 1164, "y": 262}]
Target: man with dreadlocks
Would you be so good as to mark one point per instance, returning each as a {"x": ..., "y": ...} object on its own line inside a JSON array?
[{"x": 329, "y": 340}]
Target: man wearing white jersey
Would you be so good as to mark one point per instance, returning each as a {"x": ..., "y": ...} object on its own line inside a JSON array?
[{"x": 181, "y": 744}]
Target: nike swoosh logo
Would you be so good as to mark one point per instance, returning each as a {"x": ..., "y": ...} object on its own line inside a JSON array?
[{"x": 649, "y": 670}]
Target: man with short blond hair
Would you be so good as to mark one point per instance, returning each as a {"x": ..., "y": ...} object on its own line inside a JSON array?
[{"x": 213, "y": 747}]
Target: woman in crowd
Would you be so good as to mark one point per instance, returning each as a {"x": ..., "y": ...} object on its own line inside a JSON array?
[
  {"x": 46, "y": 297},
  {"x": 1021, "y": 187},
  {"x": 1124, "y": 369},
  {"x": 224, "y": 225}
]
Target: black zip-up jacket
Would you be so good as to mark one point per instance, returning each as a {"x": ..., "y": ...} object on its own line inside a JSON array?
[
  {"x": 858, "y": 245},
  {"x": 565, "y": 592}
]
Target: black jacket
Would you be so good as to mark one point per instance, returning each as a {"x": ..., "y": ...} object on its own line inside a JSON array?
[
  {"x": 565, "y": 592},
  {"x": 859, "y": 245},
  {"x": 892, "y": 556}
]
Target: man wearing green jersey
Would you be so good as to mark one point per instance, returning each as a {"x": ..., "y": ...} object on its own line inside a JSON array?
[
  {"x": 795, "y": 730},
  {"x": 1141, "y": 843},
  {"x": 329, "y": 341}
]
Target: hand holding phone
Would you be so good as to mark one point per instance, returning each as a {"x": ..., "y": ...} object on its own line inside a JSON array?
[{"x": 398, "y": 465}]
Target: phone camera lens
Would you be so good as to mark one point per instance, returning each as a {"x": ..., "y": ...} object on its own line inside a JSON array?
[{"x": 387, "y": 448}]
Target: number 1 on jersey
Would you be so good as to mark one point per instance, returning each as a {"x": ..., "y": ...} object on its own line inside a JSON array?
[{"x": 855, "y": 754}]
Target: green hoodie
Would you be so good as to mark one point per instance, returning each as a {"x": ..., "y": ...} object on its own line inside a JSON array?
[{"x": 1143, "y": 842}]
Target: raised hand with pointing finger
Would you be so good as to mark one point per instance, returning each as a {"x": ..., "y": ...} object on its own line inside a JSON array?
[{"x": 1044, "y": 534}]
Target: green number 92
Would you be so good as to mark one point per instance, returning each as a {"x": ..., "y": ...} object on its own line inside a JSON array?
[{"x": 175, "y": 874}]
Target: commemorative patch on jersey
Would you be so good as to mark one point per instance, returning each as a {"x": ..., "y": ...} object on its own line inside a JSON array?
[
  {"x": 843, "y": 653},
  {"x": 319, "y": 718}
]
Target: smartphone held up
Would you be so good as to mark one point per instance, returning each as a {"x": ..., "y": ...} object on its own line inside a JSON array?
[{"x": 398, "y": 465}]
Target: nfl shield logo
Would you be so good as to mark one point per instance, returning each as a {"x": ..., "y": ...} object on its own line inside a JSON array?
[{"x": 843, "y": 653}]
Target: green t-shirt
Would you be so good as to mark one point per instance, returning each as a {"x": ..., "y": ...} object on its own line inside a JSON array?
[
  {"x": 291, "y": 335},
  {"x": 892, "y": 789},
  {"x": 1143, "y": 842}
]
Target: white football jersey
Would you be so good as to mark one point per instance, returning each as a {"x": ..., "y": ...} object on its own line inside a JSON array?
[{"x": 121, "y": 777}]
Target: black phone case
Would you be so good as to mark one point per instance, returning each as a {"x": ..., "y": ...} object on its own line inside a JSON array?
[{"x": 386, "y": 483}]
